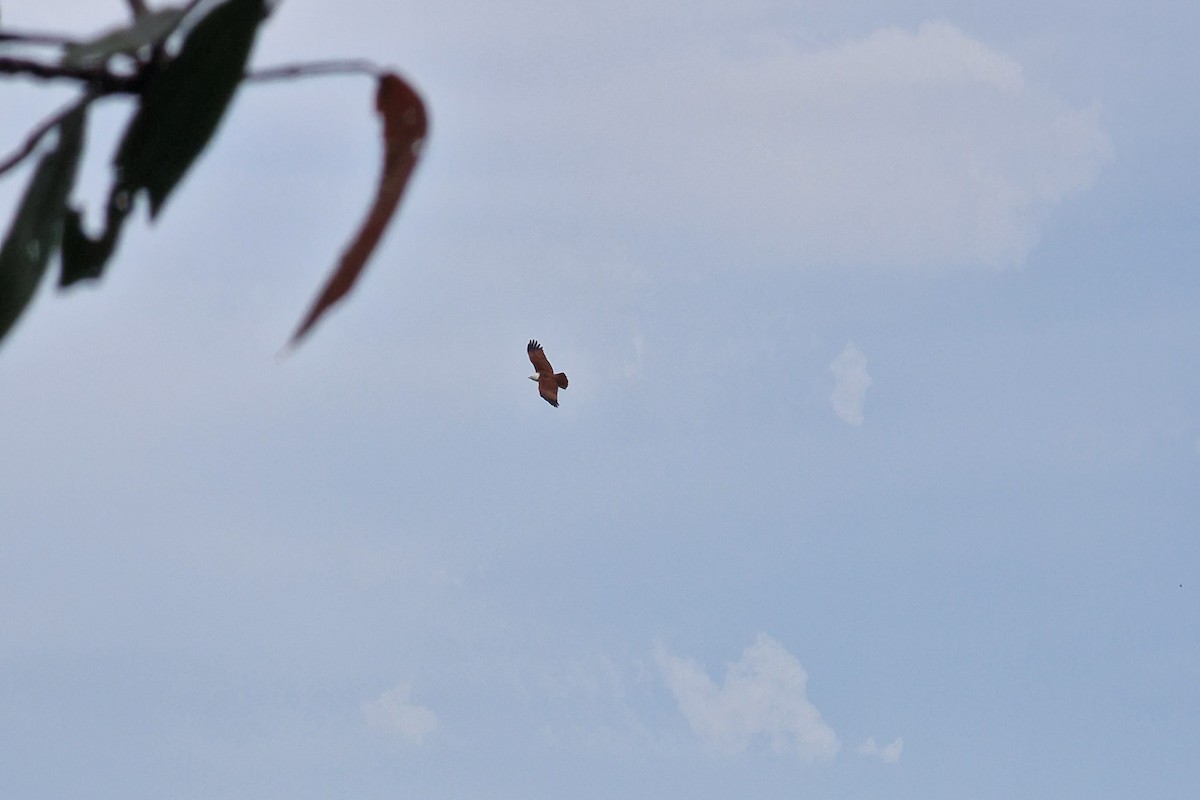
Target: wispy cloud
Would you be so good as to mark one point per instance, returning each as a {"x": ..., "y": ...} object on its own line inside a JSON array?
[
  {"x": 763, "y": 694},
  {"x": 919, "y": 148},
  {"x": 392, "y": 712},
  {"x": 890, "y": 754},
  {"x": 850, "y": 384}
]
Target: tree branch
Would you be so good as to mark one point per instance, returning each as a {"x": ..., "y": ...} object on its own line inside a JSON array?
[
  {"x": 102, "y": 82},
  {"x": 35, "y": 38},
  {"x": 315, "y": 68},
  {"x": 98, "y": 78},
  {"x": 36, "y": 135}
]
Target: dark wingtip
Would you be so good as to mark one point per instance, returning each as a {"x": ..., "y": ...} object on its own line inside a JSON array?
[{"x": 533, "y": 345}]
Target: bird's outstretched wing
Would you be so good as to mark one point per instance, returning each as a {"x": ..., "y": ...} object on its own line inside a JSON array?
[
  {"x": 537, "y": 355},
  {"x": 548, "y": 389}
]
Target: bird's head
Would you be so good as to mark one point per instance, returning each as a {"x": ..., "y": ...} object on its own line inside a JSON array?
[{"x": 535, "y": 377}]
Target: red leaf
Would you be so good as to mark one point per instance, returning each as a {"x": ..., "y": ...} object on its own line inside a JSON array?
[{"x": 404, "y": 128}]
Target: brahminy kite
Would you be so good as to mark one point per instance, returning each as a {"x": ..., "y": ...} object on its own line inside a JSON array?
[{"x": 547, "y": 380}]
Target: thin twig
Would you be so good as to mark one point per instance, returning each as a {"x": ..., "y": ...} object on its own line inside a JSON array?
[
  {"x": 315, "y": 68},
  {"x": 50, "y": 39},
  {"x": 99, "y": 78},
  {"x": 36, "y": 135}
]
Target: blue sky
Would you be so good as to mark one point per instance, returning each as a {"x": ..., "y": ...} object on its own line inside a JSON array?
[{"x": 878, "y": 474}]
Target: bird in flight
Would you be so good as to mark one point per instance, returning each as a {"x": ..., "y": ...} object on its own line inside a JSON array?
[{"x": 548, "y": 381}]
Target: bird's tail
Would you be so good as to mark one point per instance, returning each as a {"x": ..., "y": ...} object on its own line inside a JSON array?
[{"x": 561, "y": 380}]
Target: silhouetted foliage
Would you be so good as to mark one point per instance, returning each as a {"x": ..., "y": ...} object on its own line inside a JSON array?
[{"x": 183, "y": 65}]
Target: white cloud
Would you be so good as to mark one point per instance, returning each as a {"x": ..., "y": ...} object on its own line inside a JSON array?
[
  {"x": 764, "y": 693},
  {"x": 391, "y": 712},
  {"x": 890, "y": 754},
  {"x": 850, "y": 384},
  {"x": 916, "y": 149}
]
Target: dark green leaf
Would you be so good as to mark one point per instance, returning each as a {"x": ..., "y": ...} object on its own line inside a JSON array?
[
  {"x": 83, "y": 258},
  {"x": 184, "y": 102},
  {"x": 37, "y": 227}
]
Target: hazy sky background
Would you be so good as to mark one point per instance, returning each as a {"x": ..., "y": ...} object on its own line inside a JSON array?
[{"x": 878, "y": 475}]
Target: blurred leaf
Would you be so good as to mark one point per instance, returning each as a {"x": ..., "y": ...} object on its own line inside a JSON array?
[
  {"x": 84, "y": 258},
  {"x": 184, "y": 102},
  {"x": 404, "y": 129},
  {"x": 37, "y": 227},
  {"x": 150, "y": 28}
]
